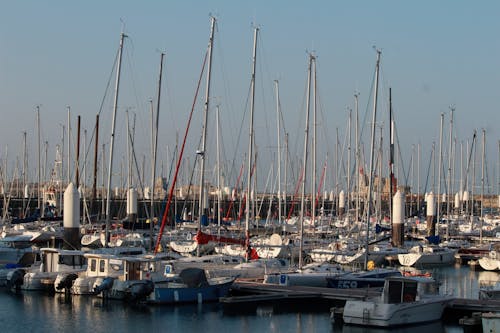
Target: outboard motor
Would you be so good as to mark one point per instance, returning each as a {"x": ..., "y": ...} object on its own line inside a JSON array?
[
  {"x": 139, "y": 291},
  {"x": 66, "y": 282},
  {"x": 106, "y": 284},
  {"x": 15, "y": 279}
]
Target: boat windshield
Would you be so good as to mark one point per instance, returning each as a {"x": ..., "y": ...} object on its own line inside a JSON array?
[{"x": 401, "y": 291}]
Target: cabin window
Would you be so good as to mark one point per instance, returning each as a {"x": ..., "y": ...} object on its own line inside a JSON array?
[
  {"x": 409, "y": 291},
  {"x": 71, "y": 260},
  {"x": 93, "y": 265},
  {"x": 394, "y": 294},
  {"x": 102, "y": 265}
]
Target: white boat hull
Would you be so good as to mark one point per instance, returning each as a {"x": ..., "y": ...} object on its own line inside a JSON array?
[
  {"x": 491, "y": 322},
  {"x": 489, "y": 264},
  {"x": 427, "y": 259},
  {"x": 371, "y": 313}
]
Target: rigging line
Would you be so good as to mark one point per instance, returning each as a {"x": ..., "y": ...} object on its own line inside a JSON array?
[
  {"x": 190, "y": 184},
  {"x": 287, "y": 152},
  {"x": 102, "y": 102},
  {"x": 429, "y": 169},
  {"x": 264, "y": 68},
  {"x": 399, "y": 150},
  {"x": 466, "y": 185},
  {"x": 141, "y": 184},
  {"x": 299, "y": 124},
  {"x": 410, "y": 166},
  {"x": 240, "y": 132},
  {"x": 227, "y": 100},
  {"x": 133, "y": 76},
  {"x": 367, "y": 111},
  {"x": 172, "y": 186}
]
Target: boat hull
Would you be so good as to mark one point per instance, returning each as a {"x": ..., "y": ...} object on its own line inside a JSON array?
[
  {"x": 427, "y": 259},
  {"x": 371, "y": 313},
  {"x": 170, "y": 293}
]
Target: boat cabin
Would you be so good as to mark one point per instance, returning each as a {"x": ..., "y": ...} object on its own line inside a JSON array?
[
  {"x": 407, "y": 289},
  {"x": 57, "y": 260},
  {"x": 123, "y": 268}
]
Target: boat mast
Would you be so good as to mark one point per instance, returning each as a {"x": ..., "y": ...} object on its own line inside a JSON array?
[
  {"x": 276, "y": 83},
  {"x": 96, "y": 152},
  {"x": 218, "y": 172},
  {"x": 452, "y": 109},
  {"x": 39, "y": 163},
  {"x": 313, "y": 171},
  {"x": 358, "y": 201},
  {"x": 69, "y": 144},
  {"x": 483, "y": 165},
  {"x": 349, "y": 164},
  {"x": 155, "y": 149},
  {"x": 24, "y": 174},
  {"x": 250, "y": 141},
  {"x": 440, "y": 163},
  {"x": 304, "y": 161},
  {"x": 372, "y": 153},
  {"x": 201, "y": 203},
  {"x": 418, "y": 179},
  {"x": 112, "y": 141}
]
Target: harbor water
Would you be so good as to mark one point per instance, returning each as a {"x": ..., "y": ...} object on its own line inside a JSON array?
[{"x": 38, "y": 312}]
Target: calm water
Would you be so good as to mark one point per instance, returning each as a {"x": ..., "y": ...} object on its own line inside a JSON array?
[{"x": 35, "y": 312}]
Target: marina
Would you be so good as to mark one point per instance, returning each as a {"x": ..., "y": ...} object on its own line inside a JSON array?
[
  {"x": 251, "y": 190},
  {"x": 298, "y": 314}
]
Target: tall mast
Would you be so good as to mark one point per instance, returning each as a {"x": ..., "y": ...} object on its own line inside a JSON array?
[
  {"x": 418, "y": 179},
  {"x": 77, "y": 162},
  {"x": 251, "y": 135},
  {"x": 356, "y": 96},
  {"x": 61, "y": 205},
  {"x": 129, "y": 148},
  {"x": 348, "y": 189},
  {"x": 285, "y": 176},
  {"x": 440, "y": 165},
  {"x": 449, "y": 194},
  {"x": 39, "y": 162},
  {"x": 24, "y": 171},
  {"x": 313, "y": 171},
  {"x": 103, "y": 206},
  {"x": 372, "y": 153},
  {"x": 218, "y": 173},
  {"x": 483, "y": 166},
  {"x": 112, "y": 141},
  {"x": 69, "y": 144},
  {"x": 96, "y": 149},
  {"x": 276, "y": 84},
  {"x": 201, "y": 203},
  {"x": 155, "y": 149},
  {"x": 304, "y": 161},
  {"x": 395, "y": 233}
]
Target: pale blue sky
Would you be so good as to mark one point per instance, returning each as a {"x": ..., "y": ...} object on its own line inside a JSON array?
[{"x": 434, "y": 54}]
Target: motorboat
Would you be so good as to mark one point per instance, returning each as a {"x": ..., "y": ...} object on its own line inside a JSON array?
[
  {"x": 191, "y": 285},
  {"x": 42, "y": 276},
  {"x": 404, "y": 301}
]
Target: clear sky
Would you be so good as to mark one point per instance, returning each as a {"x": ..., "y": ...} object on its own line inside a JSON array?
[{"x": 434, "y": 54}]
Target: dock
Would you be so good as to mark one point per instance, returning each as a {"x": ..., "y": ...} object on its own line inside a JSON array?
[{"x": 253, "y": 296}]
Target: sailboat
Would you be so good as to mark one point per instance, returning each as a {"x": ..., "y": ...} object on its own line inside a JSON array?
[{"x": 190, "y": 246}]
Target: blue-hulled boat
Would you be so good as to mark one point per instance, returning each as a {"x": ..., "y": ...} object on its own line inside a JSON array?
[
  {"x": 362, "y": 279},
  {"x": 190, "y": 286}
]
